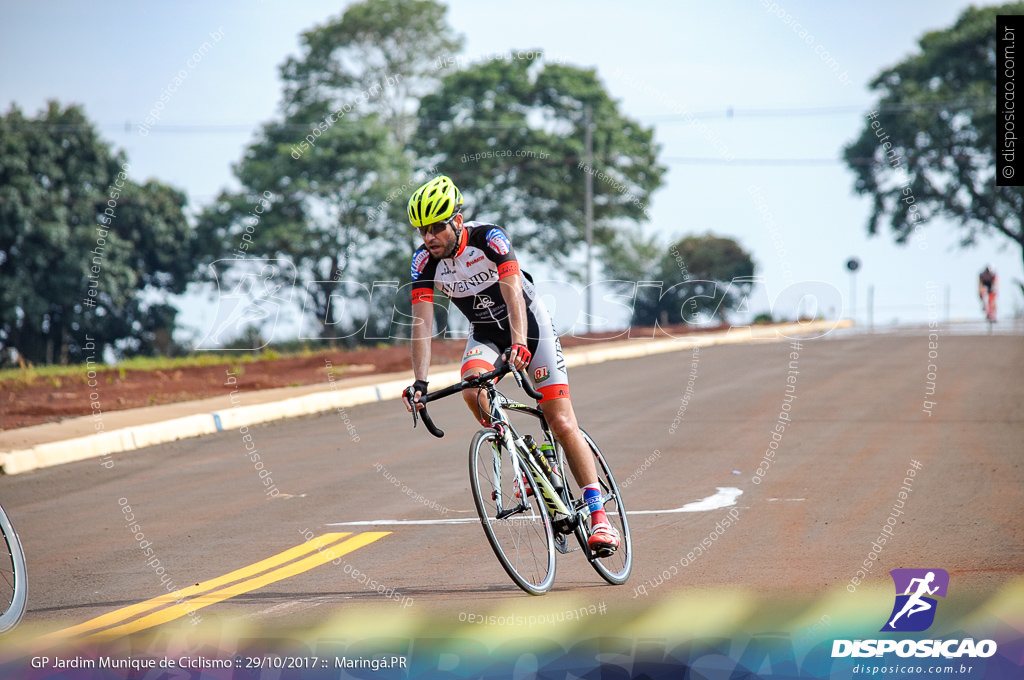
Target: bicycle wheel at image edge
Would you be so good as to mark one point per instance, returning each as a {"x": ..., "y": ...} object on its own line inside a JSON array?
[
  {"x": 14, "y": 575},
  {"x": 614, "y": 569},
  {"x": 523, "y": 541}
]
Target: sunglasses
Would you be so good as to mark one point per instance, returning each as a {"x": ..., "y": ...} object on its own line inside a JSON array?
[{"x": 437, "y": 227}]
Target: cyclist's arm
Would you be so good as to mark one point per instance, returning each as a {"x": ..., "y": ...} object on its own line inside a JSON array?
[
  {"x": 512, "y": 292},
  {"x": 499, "y": 250},
  {"x": 422, "y": 331}
]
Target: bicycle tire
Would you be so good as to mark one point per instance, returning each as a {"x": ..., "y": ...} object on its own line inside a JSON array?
[
  {"x": 523, "y": 542},
  {"x": 614, "y": 569},
  {"x": 13, "y": 575}
]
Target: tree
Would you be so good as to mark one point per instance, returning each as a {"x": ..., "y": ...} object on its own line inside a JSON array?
[
  {"x": 510, "y": 133},
  {"x": 333, "y": 173},
  {"x": 319, "y": 212},
  {"x": 927, "y": 149},
  {"x": 397, "y": 44},
  {"x": 80, "y": 242},
  {"x": 699, "y": 278}
]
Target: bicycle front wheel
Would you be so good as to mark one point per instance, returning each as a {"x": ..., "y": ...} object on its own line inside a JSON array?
[
  {"x": 514, "y": 518},
  {"x": 615, "y": 568},
  {"x": 13, "y": 576}
]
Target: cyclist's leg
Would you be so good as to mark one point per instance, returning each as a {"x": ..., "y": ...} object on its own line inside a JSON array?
[
  {"x": 547, "y": 368},
  {"x": 479, "y": 357},
  {"x": 561, "y": 418},
  {"x": 558, "y": 411},
  {"x": 552, "y": 381}
]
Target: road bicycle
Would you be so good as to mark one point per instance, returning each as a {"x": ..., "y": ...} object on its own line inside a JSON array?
[
  {"x": 526, "y": 507},
  {"x": 13, "y": 576}
]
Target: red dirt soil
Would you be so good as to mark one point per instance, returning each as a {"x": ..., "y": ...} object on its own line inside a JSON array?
[{"x": 46, "y": 399}]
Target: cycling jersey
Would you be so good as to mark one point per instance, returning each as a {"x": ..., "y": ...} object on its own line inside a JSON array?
[
  {"x": 471, "y": 276},
  {"x": 472, "y": 279},
  {"x": 987, "y": 279}
]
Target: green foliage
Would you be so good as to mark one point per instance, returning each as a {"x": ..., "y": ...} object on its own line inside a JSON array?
[
  {"x": 395, "y": 43},
  {"x": 73, "y": 222},
  {"x": 700, "y": 278},
  {"x": 369, "y": 99},
  {"x": 333, "y": 172},
  {"x": 510, "y": 132},
  {"x": 938, "y": 109}
]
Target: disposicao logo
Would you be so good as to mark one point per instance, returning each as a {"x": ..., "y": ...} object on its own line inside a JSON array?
[{"x": 912, "y": 612}]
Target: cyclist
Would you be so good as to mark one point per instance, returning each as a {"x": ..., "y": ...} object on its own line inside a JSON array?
[
  {"x": 987, "y": 288},
  {"x": 473, "y": 263}
]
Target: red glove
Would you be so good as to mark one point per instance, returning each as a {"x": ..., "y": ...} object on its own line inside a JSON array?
[{"x": 522, "y": 352}]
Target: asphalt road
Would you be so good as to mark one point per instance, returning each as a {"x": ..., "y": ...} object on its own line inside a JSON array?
[{"x": 857, "y": 422}]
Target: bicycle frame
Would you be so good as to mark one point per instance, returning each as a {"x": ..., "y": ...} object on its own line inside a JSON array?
[{"x": 513, "y": 441}]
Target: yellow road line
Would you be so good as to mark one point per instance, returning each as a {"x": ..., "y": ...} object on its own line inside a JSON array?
[
  {"x": 183, "y": 609},
  {"x": 319, "y": 543}
]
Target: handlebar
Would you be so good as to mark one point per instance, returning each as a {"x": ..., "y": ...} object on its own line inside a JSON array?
[{"x": 499, "y": 371}]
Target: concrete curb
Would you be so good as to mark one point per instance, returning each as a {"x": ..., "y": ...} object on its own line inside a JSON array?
[{"x": 149, "y": 434}]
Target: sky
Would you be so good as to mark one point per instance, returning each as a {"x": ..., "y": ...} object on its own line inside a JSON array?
[{"x": 769, "y": 175}]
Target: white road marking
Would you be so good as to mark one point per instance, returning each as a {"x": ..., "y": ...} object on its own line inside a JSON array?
[
  {"x": 278, "y": 607},
  {"x": 722, "y": 498}
]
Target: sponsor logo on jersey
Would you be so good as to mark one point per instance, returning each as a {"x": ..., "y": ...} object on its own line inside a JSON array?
[
  {"x": 483, "y": 302},
  {"x": 541, "y": 374},
  {"x": 474, "y": 260},
  {"x": 475, "y": 352},
  {"x": 470, "y": 285},
  {"x": 498, "y": 242},
  {"x": 419, "y": 261}
]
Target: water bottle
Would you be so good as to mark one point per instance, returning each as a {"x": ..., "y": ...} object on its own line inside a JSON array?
[{"x": 551, "y": 463}]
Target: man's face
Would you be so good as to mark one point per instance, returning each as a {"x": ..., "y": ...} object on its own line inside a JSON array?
[{"x": 439, "y": 238}]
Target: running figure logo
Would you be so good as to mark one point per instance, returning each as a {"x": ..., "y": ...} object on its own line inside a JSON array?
[{"x": 914, "y": 610}]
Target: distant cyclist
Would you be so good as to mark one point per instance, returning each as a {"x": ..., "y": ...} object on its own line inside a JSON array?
[
  {"x": 473, "y": 264},
  {"x": 987, "y": 289}
]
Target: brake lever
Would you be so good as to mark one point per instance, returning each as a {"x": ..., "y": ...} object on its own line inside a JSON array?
[
  {"x": 518, "y": 377},
  {"x": 409, "y": 394}
]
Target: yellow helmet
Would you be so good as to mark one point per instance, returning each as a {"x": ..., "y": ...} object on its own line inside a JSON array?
[{"x": 435, "y": 201}]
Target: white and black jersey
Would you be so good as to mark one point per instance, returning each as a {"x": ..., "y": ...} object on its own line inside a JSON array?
[{"x": 471, "y": 277}]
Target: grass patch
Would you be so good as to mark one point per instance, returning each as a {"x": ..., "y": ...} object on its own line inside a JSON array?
[{"x": 13, "y": 378}]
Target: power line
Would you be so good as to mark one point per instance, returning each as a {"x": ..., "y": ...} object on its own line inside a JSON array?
[
  {"x": 730, "y": 112},
  {"x": 687, "y": 117},
  {"x": 722, "y": 160},
  {"x": 793, "y": 112}
]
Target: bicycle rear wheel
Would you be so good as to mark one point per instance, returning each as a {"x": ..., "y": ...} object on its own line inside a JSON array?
[
  {"x": 13, "y": 576},
  {"x": 514, "y": 518},
  {"x": 614, "y": 569}
]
